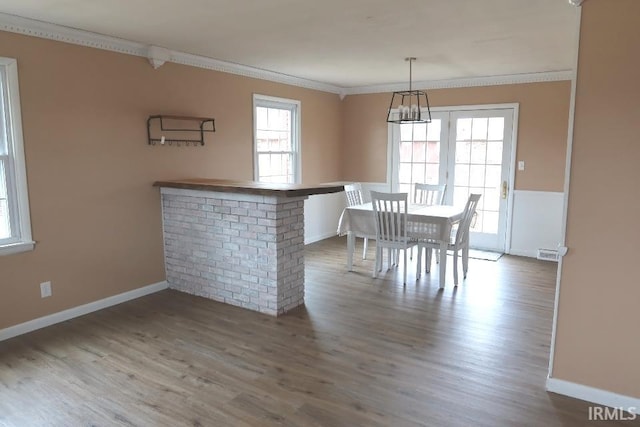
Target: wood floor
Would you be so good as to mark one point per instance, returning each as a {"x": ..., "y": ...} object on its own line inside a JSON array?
[{"x": 362, "y": 352}]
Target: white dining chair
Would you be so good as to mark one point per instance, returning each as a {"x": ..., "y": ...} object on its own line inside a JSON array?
[
  {"x": 390, "y": 212},
  {"x": 428, "y": 194},
  {"x": 459, "y": 242},
  {"x": 353, "y": 193}
]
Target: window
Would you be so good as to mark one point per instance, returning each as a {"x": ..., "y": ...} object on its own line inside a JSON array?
[
  {"x": 15, "y": 227},
  {"x": 276, "y": 130}
]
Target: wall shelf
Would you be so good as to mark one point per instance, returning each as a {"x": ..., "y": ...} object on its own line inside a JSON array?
[{"x": 185, "y": 129}]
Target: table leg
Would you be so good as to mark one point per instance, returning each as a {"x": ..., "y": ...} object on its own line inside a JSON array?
[
  {"x": 351, "y": 244},
  {"x": 443, "y": 263}
]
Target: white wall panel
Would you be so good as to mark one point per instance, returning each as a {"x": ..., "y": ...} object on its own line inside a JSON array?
[
  {"x": 322, "y": 212},
  {"x": 537, "y": 221}
]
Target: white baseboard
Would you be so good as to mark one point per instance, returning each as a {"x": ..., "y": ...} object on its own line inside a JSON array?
[
  {"x": 593, "y": 395},
  {"x": 81, "y": 310},
  {"x": 523, "y": 252}
]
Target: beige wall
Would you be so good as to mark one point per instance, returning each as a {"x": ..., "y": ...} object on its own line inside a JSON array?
[
  {"x": 95, "y": 214},
  {"x": 542, "y": 132},
  {"x": 599, "y": 313}
]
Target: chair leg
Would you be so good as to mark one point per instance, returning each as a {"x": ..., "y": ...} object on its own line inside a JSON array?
[
  {"x": 377, "y": 261},
  {"x": 405, "y": 267},
  {"x": 455, "y": 266},
  {"x": 465, "y": 260},
  {"x": 428, "y": 257},
  {"x": 419, "y": 268},
  {"x": 437, "y": 251},
  {"x": 364, "y": 251}
]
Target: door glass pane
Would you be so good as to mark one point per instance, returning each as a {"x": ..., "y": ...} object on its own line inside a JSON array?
[
  {"x": 420, "y": 132},
  {"x": 461, "y": 177},
  {"x": 433, "y": 130},
  {"x": 476, "y": 175},
  {"x": 406, "y": 132},
  {"x": 478, "y": 168},
  {"x": 479, "y": 128},
  {"x": 417, "y": 173},
  {"x": 419, "y": 160},
  {"x": 492, "y": 199},
  {"x": 405, "y": 151},
  {"x": 496, "y": 129},
  {"x": 463, "y": 151},
  {"x": 494, "y": 175},
  {"x": 404, "y": 175},
  {"x": 478, "y": 152},
  {"x": 419, "y": 151},
  {"x": 494, "y": 152},
  {"x": 433, "y": 174},
  {"x": 490, "y": 222},
  {"x": 433, "y": 151},
  {"x": 463, "y": 129},
  {"x": 460, "y": 195}
]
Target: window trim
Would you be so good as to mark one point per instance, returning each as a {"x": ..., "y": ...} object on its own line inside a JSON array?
[
  {"x": 16, "y": 173},
  {"x": 275, "y": 102}
]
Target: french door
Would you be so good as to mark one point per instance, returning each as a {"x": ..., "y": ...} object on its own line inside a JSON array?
[{"x": 470, "y": 152}]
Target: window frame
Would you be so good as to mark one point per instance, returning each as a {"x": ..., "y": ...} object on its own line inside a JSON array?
[
  {"x": 281, "y": 103},
  {"x": 15, "y": 170}
]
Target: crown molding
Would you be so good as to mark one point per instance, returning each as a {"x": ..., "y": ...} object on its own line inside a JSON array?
[
  {"x": 509, "y": 79},
  {"x": 31, "y": 27},
  {"x": 45, "y": 30},
  {"x": 247, "y": 71}
]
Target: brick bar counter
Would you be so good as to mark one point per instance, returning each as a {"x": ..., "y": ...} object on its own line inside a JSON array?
[{"x": 241, "y": 243}]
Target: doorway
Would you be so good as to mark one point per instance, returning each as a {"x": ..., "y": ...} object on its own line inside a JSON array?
[{"x": 471, "y": 150}]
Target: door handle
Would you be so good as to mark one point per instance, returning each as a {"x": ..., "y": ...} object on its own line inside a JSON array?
[{"x": 504, "y": 189}]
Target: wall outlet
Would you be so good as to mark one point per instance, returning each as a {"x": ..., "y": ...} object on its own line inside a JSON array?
[
  {"x": 521, "y": 165},
  {"x": 45, "y": 289}
]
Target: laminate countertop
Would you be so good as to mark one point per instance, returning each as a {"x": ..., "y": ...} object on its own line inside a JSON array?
[{"x": 251, "y": 187}]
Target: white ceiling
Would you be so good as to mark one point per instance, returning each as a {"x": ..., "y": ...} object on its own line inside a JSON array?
[{"x": 346, "y": 43}]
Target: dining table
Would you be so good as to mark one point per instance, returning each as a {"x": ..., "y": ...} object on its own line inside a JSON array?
[{"x": 424, "y": 222}]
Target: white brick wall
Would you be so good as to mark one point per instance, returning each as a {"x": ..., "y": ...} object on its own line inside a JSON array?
[{"x": 240, "y": 249}]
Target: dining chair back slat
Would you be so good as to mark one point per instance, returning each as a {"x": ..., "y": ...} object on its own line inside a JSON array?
[
  {"x": 353, "y": 193},
  {"x": 390, "y": 210},
  {"x": 462, "y": 235},
  {"x": 428, "y": 194}
]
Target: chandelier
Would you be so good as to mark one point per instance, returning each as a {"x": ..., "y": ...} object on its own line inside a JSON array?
[{"x": 409, "y": 106}]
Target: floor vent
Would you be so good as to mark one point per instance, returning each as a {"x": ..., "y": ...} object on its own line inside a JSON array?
[{"x": 548, "y": 255}]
